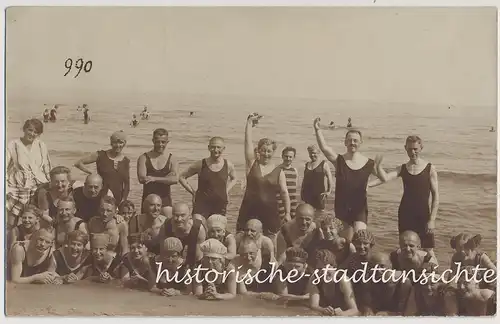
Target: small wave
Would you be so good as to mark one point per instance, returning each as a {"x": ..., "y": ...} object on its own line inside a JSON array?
[
  {"x": 387, "y": 138},
  {"x": 476, "y": 177}
]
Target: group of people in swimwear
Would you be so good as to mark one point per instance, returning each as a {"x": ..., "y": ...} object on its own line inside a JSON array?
[
  {"x": 50, "y": 115},
  {"x": 349, "y": 124},
  {"x": 144, "y": 116},
  {"x": 68, "y": 232}
]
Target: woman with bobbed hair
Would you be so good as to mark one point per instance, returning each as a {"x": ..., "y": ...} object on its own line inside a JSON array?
[{"x": 28, "y": 166}]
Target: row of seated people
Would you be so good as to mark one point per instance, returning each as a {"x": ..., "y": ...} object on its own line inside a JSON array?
[{"x": 131, "y": 249}]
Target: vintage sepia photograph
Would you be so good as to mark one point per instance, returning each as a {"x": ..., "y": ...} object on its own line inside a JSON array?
[{"x": 251, "y": 161}]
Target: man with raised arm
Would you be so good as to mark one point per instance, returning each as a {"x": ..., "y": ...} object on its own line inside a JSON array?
[
  {"x": 352, "y": 170},
  {"x": 420, "y": 182},
  {"x": 216, "y": 177}
]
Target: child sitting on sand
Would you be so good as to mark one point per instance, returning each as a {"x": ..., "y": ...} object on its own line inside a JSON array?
[
  {"x": 216, "y": 225},
  {"x": 30, "y": 222},
  {"x": 105, "y": 263},
  {"x": 170, "y": 268}
]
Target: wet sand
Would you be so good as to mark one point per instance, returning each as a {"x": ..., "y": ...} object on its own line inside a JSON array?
[{"x": 89, "y": 299}]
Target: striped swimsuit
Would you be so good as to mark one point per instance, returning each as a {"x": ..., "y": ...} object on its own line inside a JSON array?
[{"x": 291, "y": 175}]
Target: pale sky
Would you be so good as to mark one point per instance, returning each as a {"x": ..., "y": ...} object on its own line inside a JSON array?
[{"x": 432, "y": 56}]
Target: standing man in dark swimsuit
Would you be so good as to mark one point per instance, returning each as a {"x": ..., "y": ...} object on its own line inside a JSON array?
[
  {"x": 157, "y": 170},
  {"x": 216, "y": 177},
  {"x": 352, "y": 170},
  {"x": 420, "y": 182},
  {"x": 318, "y": 180}
]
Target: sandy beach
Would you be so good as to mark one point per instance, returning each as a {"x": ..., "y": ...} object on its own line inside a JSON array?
[
  {"x": 395, "y": 72},
  {"x": 88, "y": 299}
]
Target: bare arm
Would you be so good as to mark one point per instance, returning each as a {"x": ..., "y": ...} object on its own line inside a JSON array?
[
  {"x": 43, "y": 203},
  {"x": 328, "y": 178},
  {"x": 191, "y": 171},
  {"x": 487, "y": 263},
  {"x": 350, "y": 301},
  {"x": 17, "y": 256},
  {"x": 202, "y": 236},
  {"x": 434, "y": 193},
  {"x": 123, "y": 234},
  {"x": 390, "y": 176},
  {"x": 141, "y": 169},
  {"x": 231, "y": 247},
  {"x": 314, "y": 299},
  {"x": 231, "y": 288},
  {"x": 46, "y": 162},
  {"x": 126, "y": 184},
  {"x": 13, "y": 235},
  {"x": 285, "y": 197},
  {"x": 329, "y": 153},
  {"x": 89, "y": 159},
  {"x": 249, "y": 153},
  {"x": 172, "y": 177},
  {"x": 282, "y": 290},
  {"x": 280, "y": 248},
  {"x": 268, "y": 245},
  {"x": 232, "y": 177}
]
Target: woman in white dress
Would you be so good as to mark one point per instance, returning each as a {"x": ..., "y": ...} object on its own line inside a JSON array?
[{"x": 28, "y": 166}]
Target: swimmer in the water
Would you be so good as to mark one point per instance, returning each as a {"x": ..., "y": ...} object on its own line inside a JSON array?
[
  {"x": 53, "y": 114},
  {"x": 46, "y": 115},
  {"x": 86, "y": 116},
  {"x": 145, "y": 113},
  {"x": 191, "y": 114},
  {"x": 349, "y": 122},
  {"x": 134, "y": 121},
  {"x": 492, "y": 129},
  {"x": 332, "y": 124}
]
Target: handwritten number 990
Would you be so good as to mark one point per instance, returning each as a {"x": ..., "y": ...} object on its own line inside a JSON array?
[{"x": 80, "y": 65}]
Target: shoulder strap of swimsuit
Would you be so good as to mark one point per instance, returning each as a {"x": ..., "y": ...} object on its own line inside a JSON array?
[{"x": 77, "y": 225}]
